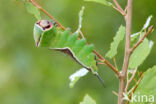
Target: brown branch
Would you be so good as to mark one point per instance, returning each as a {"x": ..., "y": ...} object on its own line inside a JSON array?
[
  {"x": 130, "y": 80},
  {"x": 111, "y": 66},
  {"x": 127, "y": 53},
  {"x": 61, "y": 26},
  {"x": 48, "y": 14},
  {"x": 100, "y": 63},
  {"x": 118, "y": 8},
  {"x": 135, "y": 87},
  {"x": 142, "y": 39}
]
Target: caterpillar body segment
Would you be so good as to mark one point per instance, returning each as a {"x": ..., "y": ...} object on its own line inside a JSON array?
[{"x": 46, "y": 34}]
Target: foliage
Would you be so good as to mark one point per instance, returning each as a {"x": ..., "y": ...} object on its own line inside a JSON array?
[
  {"x": 88, "y": 100},
  {"x": 147, "y": 86},
  {"x": 33, "y": 10},
  {"x": 30, "y": 75},
  {"x": 146, "y": 25},
  {"x": 140, "y": 54},
  {"x": 117, "y": 39},
  {"x": 76, "y": 76}
]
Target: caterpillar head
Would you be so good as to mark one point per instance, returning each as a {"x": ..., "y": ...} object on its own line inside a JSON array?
[{"x": 44, "y": 32}]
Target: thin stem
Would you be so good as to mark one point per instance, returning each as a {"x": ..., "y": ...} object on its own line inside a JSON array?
[
  {"x": 115, "y": 93},
  {"x": 135, "y": 87},
  {"x": 48, "y": 14},
  {"x": 100, "y": 63},
  {"x": 142, "y": 39},
  {"x": 115, "y": 64},
  {"x": 127, "y": 53},
  {"x": 118, "y": 8},
  {"x": 60, "y": 25},
  {"x": 111, "y": 66},
  {"x": 130, "y": 80}
]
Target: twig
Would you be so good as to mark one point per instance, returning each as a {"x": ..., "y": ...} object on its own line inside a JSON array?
[
  {"x": 115, "y": 93},
  {"x": 125, "y": 9},
  {"x": 142, "y": 39},
  {"x": 127, "y": 53},
  {"x": 111, "y": 66},
  {"x": 115, "y": 64},
  {"x": 60, "y": 25},
  {"x": 48, "y": 14},
  {"x": 118, "y": 8},
  {"x": 100, "y": 63},
  {"x": 135, "y": 87},
  {"x": 130, "y": 80}
]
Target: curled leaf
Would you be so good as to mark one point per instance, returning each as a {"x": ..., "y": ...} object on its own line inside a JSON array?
[
  {"x": 80, "y": 19},
  {"x": 76, "y": 76},
  {"x": 147, "y": 22}
]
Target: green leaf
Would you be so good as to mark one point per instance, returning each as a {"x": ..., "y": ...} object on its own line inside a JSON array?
[
  {"x": 117, "y": 39},
  {"x": 76, "y": 76},
  {"x": 104, "y": 2},
  {"x": 33, "y": 10},
  {"x": 147, "y": 87},
  {"x": 88, "y": 100},
  {"x": 140, "y": 54}
]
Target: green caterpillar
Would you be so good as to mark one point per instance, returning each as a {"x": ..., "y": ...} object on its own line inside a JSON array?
[{"x": 47, "y": 34}]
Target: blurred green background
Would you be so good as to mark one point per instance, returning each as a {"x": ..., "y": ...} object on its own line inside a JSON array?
[{"x": 30, "y": 75}]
